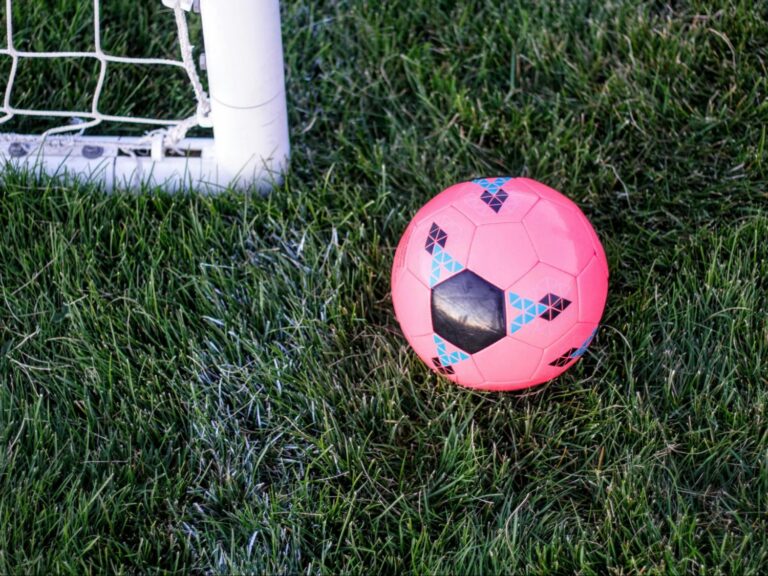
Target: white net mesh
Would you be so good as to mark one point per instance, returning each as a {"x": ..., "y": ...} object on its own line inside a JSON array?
[{"x": 167, "y": 132}]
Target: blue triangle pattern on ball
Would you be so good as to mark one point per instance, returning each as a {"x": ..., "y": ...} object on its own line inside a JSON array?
[
  {"x": 441, "y": 260},
  {"x": 493, "y": 194},
  {"x": 493, "y": 185},
  {"x": 530, "y": 310},
  {"x": 448, "y": 358}
]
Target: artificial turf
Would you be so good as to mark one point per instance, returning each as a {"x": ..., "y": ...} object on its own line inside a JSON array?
[{"x": 218, "y": 384}]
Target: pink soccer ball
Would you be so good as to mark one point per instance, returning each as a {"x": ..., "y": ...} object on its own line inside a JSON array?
[{"x": 499, "y": 283}]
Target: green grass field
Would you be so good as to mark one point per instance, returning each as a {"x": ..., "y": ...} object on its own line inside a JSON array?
[{"x": 218, "y": 385}]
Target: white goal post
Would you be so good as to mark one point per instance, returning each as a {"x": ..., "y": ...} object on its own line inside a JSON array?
[{"x": 246, "y": 108}]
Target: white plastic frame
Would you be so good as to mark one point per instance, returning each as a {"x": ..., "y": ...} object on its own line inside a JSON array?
[{"x": 250, "y": 147}]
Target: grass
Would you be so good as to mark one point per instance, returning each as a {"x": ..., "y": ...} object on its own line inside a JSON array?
[{"x": 218, "y": 385}]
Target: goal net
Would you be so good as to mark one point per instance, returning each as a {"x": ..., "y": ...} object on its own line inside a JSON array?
[{"x": 78, "y": 111}]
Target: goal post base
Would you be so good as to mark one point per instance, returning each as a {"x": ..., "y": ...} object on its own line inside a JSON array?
[{"x": 129, "y": 163}]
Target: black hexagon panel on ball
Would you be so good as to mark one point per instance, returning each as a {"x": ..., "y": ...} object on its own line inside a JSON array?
[{"x": 468, "y": 312}]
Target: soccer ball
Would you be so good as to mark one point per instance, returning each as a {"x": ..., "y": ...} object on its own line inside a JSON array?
[{"x": 499, "y": 283}]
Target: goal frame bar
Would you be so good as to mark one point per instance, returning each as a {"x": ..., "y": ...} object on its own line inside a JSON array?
[{"x": 250, "y": 145}]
